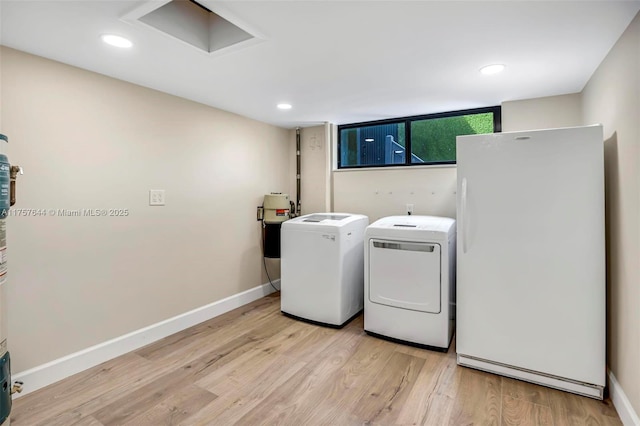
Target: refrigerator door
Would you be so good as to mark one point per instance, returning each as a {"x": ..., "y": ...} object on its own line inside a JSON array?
[{"x": 530, "y": 264}]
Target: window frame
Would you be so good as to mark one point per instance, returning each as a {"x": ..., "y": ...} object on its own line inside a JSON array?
[{"x": 497, "y": 128}]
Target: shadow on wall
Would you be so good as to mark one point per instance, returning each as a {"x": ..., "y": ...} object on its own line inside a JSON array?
[
  {"x": 612, "y": 228},
  {"x": 269, "y": 266}
]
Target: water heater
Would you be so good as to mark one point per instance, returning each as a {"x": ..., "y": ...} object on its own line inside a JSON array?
[
  {"x": 8, "y": 175},
  {"x": 276, "y": 208},
  {"x": 5, "y": 365}
]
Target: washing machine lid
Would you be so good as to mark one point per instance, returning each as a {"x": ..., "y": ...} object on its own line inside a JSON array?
[
  {"x": 405, "y": 274},
  {"x": 326, "y": 220},
  {"x": 319, "y": 217}
]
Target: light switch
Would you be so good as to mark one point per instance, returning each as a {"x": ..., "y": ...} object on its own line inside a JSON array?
[{"x": 156, "y": 197}]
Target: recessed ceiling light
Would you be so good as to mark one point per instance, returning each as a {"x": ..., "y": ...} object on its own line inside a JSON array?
[
  {"x": 492, "y": 69},
  {"x": 368, "y": 140},
  {"x": 284, "y": 106},
  {"x": 116, "y": 41}
]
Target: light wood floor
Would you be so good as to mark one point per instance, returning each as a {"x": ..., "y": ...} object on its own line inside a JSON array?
[{"x": 253, "y": 366}]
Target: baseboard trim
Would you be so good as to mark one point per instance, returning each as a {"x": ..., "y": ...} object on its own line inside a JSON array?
[
  {"x": 51, "y": 372},
  {"x": 623, "y": 406}
]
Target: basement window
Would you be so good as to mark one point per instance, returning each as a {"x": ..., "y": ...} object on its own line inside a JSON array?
[{"x": 409, "y": 141}]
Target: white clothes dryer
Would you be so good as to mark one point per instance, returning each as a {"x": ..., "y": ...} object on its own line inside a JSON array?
[
  {"x": 410, "y": 280},
  {"x": 322, "y": 267}
]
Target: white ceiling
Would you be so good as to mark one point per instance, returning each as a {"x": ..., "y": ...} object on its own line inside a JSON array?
[{"x": 339, "y": 61}]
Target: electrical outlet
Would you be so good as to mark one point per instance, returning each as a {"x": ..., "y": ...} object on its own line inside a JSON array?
[
  {"x": 409, "y": 209},
  {"x": 156, "y": 197}
]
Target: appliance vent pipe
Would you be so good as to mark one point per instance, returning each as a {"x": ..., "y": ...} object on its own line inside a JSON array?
[{"x": 298, "y": 176}]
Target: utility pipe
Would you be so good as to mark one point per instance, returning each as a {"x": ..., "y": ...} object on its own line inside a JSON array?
[{"x": 298, "y": 176}]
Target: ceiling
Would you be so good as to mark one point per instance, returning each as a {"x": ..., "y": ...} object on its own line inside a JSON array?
[{"x": 338, "y": 61}]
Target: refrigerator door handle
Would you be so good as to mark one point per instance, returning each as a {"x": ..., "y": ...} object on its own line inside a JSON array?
[{"x": 463, "y": 214}]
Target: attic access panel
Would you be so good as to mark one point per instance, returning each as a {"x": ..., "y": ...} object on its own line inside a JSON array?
[{"x": 193, "y": 23}]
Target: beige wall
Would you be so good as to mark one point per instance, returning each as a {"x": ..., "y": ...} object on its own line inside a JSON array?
[
  {"x": 89, "y": 141},
  {"x": 542, "y": 113},
  {"x": 315, "y": 156},
  {"x": 612, "y": 97}
]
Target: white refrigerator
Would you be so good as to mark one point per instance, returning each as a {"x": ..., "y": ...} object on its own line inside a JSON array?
[{"x": 531, "y": 256}]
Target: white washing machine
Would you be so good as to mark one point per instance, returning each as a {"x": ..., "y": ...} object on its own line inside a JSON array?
[
  {"x": 410, "y": 280},
  {"x": 322, "y": 267}
]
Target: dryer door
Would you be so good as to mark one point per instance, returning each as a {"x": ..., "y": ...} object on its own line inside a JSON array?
[{"x": 405, "y": 274}]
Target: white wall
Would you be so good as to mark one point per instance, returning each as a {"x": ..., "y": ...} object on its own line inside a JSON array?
[
  {"x": 612, "y": 97},
  {"x": 542, "y": 113},
  {"x": 386, "y": 192},
  {"x": 89, "y": 141}
]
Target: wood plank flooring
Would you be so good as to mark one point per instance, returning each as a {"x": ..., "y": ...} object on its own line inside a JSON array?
[{"x": 254, "y": 366}]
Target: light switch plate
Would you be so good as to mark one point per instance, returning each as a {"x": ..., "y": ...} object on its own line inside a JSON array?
[{"x": 156, "y": 197}]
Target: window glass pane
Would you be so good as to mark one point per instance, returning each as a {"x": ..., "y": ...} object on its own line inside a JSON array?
[
  {"x": 372, "y": 145},
  {"x": 434, "y": 140}
]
